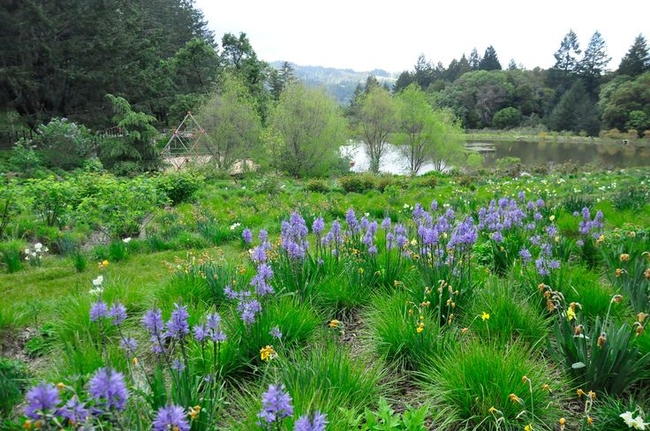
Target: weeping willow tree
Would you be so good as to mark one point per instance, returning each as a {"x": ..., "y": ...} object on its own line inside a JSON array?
[{"x": 133, "y": 151}]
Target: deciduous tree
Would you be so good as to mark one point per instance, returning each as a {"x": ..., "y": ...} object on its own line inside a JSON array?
[
  {"x": 230, "y": 119},
  {"x": 306, "y": 130},
  {"x": 377, "y": 119}
]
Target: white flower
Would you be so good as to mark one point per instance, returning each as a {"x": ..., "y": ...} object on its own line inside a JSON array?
[
  {"x": 126, "y": 240},
  {"x": 38, "y": 246},
  {"x": 636, "y": 423},
  {"x": 96, "y": 291},
  {"x": 98, "y": 281},
  {"x": 234, "y": 226}
]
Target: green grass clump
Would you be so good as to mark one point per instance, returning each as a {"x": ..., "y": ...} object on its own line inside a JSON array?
[{"x": 489, "y": 387}]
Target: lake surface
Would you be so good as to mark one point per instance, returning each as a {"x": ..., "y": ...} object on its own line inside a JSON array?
[{"x": 607, "y": 156}]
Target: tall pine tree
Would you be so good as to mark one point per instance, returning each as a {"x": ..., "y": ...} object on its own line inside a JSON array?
[{"x": 637, "y": 59}]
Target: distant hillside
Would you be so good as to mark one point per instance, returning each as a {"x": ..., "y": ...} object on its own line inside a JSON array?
[{"x": 341, "y": 83}]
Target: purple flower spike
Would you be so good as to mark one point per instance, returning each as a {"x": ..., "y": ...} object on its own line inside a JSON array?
[
  {"x": 247, "y": 235},
  {"x": 276, "y": 404},
  {"x": 108, "y": 389},
  {"x": 98, "y": 311},
  {"x": 41, "y": 399},
  {"x": 171, "y": 418},
  {"x": 177, "y": 327},
  {"x": 117, "y": 313},
  {"x": 318, "y": 226},
  {"x": 318, "y": 424}
]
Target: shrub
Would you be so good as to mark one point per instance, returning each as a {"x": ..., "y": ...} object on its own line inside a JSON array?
[
  {"x": 179, "y": 186},
  {"x": 317, "y": 186},
  {"x": 357, "y": 183}
]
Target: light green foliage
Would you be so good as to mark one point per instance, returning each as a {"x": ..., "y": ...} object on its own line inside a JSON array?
[
  {"x": 230, "y": 119},
  {"x": 375, "y": 120},
  {"x": 475, "y": 377},
  {"x": 385, "y": 418},
  {"x": 306, "y": 130}
]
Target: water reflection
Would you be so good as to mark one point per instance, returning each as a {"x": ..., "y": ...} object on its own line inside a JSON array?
[{"x": 606, "y": 156}]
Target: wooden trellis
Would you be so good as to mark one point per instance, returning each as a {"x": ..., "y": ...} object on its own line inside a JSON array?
[{"x": 189, "y": 143}]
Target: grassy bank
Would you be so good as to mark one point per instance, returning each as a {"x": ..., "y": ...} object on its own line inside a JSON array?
[{"x": 440, "y": 302}]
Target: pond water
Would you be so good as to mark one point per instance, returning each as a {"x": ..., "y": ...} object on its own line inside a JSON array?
[{"x": 607, "y": 156}]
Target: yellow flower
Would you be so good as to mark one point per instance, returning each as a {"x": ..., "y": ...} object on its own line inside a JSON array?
[
  {"x": 624, "y": 257},
  {"x": 194, "y": 412},
  {"x": 135, "y": 361},
  {"x": 562, "y": 421},
  {"x": 105, "y": 263},
  {"x": 589, "y": 420},
  {"x": 361, "y": 270},
  {"x": 646, "y": 273},
  {"x": 492, "y": 410},
  {"x": 419, "y": 329},
  {"x": 267, "y": 353},
  {"x": 27, "y": 424},
  {"x": 617, "y": 299},
  {"x": 570, "y": 314},
  {"x": 528, "y": 427},
  {"x": 515, "y": 399},
  {"x": 464, "y": 330},
  {"x": 525, "y": 379},
  {"x": 334, "y": 323},
  {"x": 485, "y": 316},
  {"x": 552, "y": 218},
  {"x": 580, "y": 392},
  {"x": 602, "y": 339},
  {"x": 60, "y": 386},
  {"x": 619, "y": 271},
  {"x": 591, "y": 395}
]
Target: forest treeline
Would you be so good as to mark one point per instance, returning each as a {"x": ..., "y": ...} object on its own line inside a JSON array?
[{"x": 89, "y": 61}]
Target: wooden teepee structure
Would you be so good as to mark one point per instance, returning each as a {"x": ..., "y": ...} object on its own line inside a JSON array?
[{"x": 189, "y": 143}]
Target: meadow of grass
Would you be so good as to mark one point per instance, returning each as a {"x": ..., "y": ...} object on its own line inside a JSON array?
[{"x": 444, "y": 302}]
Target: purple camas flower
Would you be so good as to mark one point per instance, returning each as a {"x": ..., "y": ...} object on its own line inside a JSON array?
[
  {"x": 276, "y": 404},
  {"x": 200, "y": 334},
  {"x": 129, "y": 345},
  {"x": 318, "y": 226},
  {"x": 386, "y": 223},
  {"x": 41, "y": 399},
  {"x": 525, "y": 256},
  {"x": 213, "y": 326},
  {"x": 275, "y": 332},
  {"x": 108, "y": 389},
  {"x": 248, "y": 310},
  {"x": 98, "y": 310},
  {"x": 177, "y": 365},
  {"x": 318, "y": 424},
  {"x": 247, "y": 236},
  {"x": 497, "y": 236},
  {"x": 117, "y": 313},
  {"x": 260, "y": 281},
  {"x": 263, "y": 235},
  {"x": 171, "y": 418},
  {"x": 177, "y": 327},
  {"x": 75, "y": 411},
  {"x": 153, "y": 322},
  {"x": 259, "y": 254},
  {"x": 351, "y": 219}
]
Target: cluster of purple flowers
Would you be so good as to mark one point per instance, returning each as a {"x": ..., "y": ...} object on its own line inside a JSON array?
[
  {"x": 276, "y": 405},
  {"x": 107, "y": 392},
  {"x": 589, "y": 226},
  {"x": 501, "y": 215},
  {"x": 171, "y": 417},
  {"x": 211, "y": 330},
  {"x": 294, "y": 237},
  {"x": 100, "y": 310},
  {"x": 318, "y": 423}
]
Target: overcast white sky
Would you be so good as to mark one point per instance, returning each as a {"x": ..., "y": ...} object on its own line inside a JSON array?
[{"x": 365, "y": 35}]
